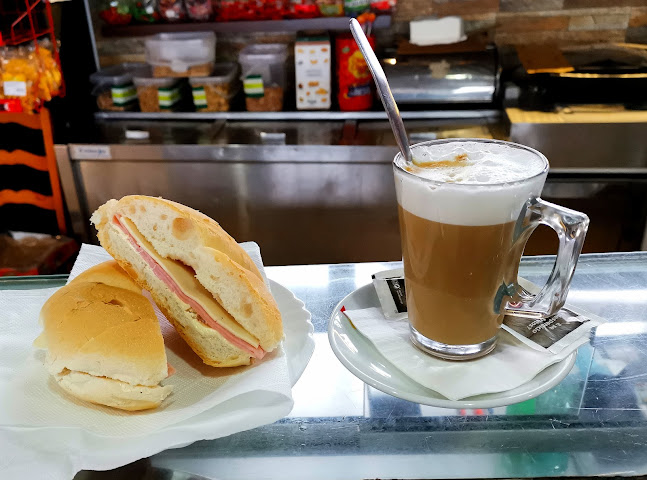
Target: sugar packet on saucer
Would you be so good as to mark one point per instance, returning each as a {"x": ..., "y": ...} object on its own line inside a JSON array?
[
  {"x": 389, "y": 286},
  {"x": 568, "y": 329}
]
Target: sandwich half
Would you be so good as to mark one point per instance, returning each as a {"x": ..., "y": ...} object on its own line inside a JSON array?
[
  {"x": 203, "y": 281},
  {"x": 103, "y": 341}
]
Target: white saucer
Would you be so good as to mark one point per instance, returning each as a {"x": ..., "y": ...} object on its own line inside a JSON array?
[{"x": 363, "y": 360}]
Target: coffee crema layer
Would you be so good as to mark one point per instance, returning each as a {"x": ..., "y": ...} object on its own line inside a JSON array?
[{"x": 468, "y": 183}]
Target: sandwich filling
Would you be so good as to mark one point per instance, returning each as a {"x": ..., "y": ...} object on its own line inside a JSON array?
[
  {"x": 124, "y": 385},
  {"x": 173, "y": 274}
]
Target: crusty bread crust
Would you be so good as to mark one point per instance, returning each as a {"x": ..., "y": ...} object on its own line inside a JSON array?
[
  {"x": 103, "y": 340},
  {"x": 109, "y": 273},
  {"x": 104, "y": 330},
  {"x": 221, "y": 265}
]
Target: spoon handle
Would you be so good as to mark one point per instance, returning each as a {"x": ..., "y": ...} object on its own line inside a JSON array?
[{"x": 383, "y": 88}]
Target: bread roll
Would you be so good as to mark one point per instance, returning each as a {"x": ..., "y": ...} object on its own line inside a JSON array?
[
  {"x": 103, "y": 340},
  {"x": 203, "y": 281}
]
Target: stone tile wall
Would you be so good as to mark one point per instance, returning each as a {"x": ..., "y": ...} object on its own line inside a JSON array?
[
  {"x": 511, "y": 22},
  {"x": 508, "y": 22}
]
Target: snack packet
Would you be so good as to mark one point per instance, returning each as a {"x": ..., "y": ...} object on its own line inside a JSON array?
[
  {"x": 389, "y": 286},
  {"x": 571, "y": 325}
]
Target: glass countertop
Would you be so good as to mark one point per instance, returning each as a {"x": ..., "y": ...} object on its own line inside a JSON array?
[{"x": 594, "y": 423}]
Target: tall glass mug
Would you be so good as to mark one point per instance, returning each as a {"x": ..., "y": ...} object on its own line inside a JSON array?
[{"x": 467, "y": 208}]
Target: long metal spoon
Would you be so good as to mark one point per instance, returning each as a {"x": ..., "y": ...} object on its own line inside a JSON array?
[{"x": 392, "y": 110}]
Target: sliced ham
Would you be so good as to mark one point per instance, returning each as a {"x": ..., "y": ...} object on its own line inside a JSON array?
[{"x": 203, "y": 316}]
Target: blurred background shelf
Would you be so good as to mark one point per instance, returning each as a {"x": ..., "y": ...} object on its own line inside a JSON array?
[{"x": 321, "y": 23}]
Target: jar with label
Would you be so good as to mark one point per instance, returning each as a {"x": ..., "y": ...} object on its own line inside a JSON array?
[
  {"x": 181, "y": 54},
  {"x": 354, "y": 78},
  {"x": 159, "y": 94},
  {"x": 263, "y": 75},
  {"x": 114, "y": 87},
  {"x": 214, "y": 93}
]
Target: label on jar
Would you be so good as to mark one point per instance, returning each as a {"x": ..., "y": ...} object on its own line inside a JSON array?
[
  {"x": 167, "y": 97},
  {"x": 199, "y": 97},
  {"x": 123, "y": 94},
  {"x": 15, "y": 89},
  {"x": 253, "y": 86}
]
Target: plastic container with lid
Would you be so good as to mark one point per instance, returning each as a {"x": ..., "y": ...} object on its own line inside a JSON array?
[
  {"x": 185, "y": 54},
  {"x": 159, "y": 94},
  {"x": 263, "y": 74},
  {"x": 214, "y": 93},
  {"x": 114, "y": 88}
]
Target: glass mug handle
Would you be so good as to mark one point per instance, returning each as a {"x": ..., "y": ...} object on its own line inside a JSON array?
[{"x": 571, "y": 227}]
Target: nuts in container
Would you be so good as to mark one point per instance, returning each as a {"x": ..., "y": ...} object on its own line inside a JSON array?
[
  {"x": 162, "y": 71},
  {"x": 263, "y": 73},
  {"x": 158, "y": 94},
  {"x": 270, "y": 101},
  {"x": 114, "y": 88},
  {"x": 186, "y": 54},
  {"x": 214, "y": 93}
]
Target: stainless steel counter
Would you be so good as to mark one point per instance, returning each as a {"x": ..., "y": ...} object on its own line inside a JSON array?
[
  {"x": 320, "y": 191},
  {"x": 594, "y": 423}
]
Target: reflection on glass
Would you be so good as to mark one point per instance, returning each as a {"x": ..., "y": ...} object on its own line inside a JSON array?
[{"x": 327, "y": 389}]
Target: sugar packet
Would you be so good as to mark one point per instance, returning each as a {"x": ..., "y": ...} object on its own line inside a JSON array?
[
  {"x": 567, "y": 329},
  {"x": 389, "y": 286}
]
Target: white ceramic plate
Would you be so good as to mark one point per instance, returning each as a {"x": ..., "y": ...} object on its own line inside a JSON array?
[
  {"x": 297, "y": 324},
  {"x": 363, "y": 360},
  {"x": 59, "y": 451}
]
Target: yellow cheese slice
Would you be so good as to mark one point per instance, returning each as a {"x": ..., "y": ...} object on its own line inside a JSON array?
[{"x": 185, "y": 279}]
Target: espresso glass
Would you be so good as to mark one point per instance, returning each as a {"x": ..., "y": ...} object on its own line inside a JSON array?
[{"x": 462, "y": 244}]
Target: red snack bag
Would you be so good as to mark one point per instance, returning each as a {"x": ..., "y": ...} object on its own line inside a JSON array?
[
  {"x": 274, "y": 9},
  {"x": 354, "y": 78},
  {"x": 383, "y": 7},
  {"x": 303, "y": 9}
]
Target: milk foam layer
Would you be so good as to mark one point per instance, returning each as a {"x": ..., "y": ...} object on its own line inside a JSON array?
[{"x": 480, "y": 183}]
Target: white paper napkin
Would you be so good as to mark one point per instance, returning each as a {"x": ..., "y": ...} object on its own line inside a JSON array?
[
  {"x": 45, "y": 433},
  {"x": 510, "y": 365}
]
